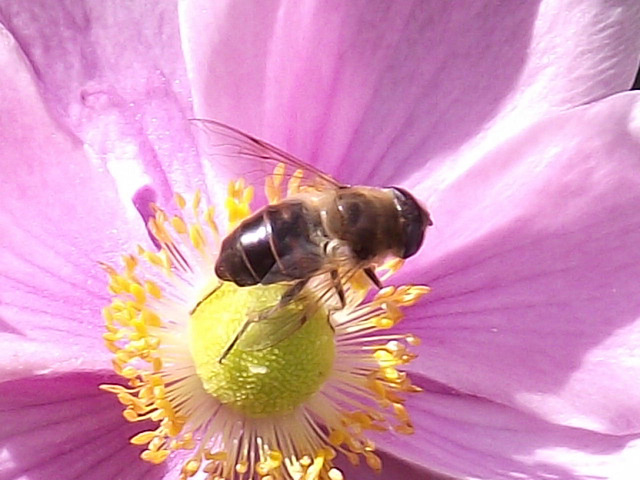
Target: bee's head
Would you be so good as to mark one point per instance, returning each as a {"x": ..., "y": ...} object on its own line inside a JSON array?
[{"x": 414, "y": 220}]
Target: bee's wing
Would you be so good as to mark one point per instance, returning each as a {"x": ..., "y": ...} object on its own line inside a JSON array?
[
  {"x": 274, "y": 329},
  {"x": 222, "y": 142}
]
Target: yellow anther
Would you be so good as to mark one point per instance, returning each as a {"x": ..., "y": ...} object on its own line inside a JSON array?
[
  {"x": 130, "y": 415},
  {"x": 242, "y": 467},
  {"x": 377, "y": 388},
  {"x": 278, "y": 172},
  {"x": 112, "y": 388},
  {"x": 160, "y": 215},
  {"x": 157, "y": 364},
  {"x": 112, "y": 337},
  {"x": 180, "y": 201},
  {"x": 294, "y": 182},
  {"x": 107, "y": 314},
  {"x": 166, "y": 260},
  {"x": 130, "y": 262},
  {"x": 262, "y": 469},
  {"x": 413, "y": 340},
  {"x": 188, "y": 443},
  {"x": 191, "y": 467},
  {"x": 394, "y": 264},
  {"x": 118, "y": 284},
  {"x": 129, "y": 372},
  {"x": 197, "y": 237},
  {"x": 155, "y": 380},
  {"x": 385, "y": 292},
  {"x": 383, "y": 356},
  {"x": 363, "y": 419},
  {"x": 138, "y": 293},
  {"x": 150, "y": 318},
  {"x": 211, "y": 220},
  {"x": 405, "y": 429},
  {"x": 159, "y": 392},
  {"x": 125, "y": 398},
  {"x": 360, "y": 282},
  {"x": 197, "y": 198},
  {"x": 123, "y": 356},
  {"x": 390, "y": 374},
  {"x": 353, "y": 458},
  {"x": 373, "y": 461},
  {"x": 142, "y": 331},
  {"x": 274, "y": 183},
  {"x": 413, "y": 293},
  {"x": 153, "y": 288},
  {"x": 143, "y": 438},
  {"x": 108, "y": 268},
  {"x": 158, "y": 442},
  {"x": 247, "y": 195},
  {"x": 275, "y": 457},
  {"x": 335, "y": 474},
  {"x": 393, "y": 311},
  {"x": 155, "y": 457},
  {"x": 153, "y": 258},
  {"x": 216, "y": 456},
  {"x": 117, "y": 365},
  {"x": 384, "y": 323},
  {"x": 401, "y": 412},
  {"x": 329, "y": 453},
  {"x": 315, "y": 468},
  {"x": 336, "y": 437},
  {"x": 178, "y": 225}
]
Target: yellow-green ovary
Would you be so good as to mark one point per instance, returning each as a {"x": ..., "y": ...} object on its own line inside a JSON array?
[{"x": 261, "y": 381}]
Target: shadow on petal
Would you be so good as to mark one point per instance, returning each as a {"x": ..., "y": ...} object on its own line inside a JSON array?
[
  {"x": 392, "y": 468},
  {"x": 64, "y": 427},
  {"x": 464, "y": 435}
]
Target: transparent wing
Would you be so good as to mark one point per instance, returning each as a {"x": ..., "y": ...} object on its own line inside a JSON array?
[
  {"x": 223, "y": 143},
  {"x": 274, "y": 329},
  {"x": 280, "y": 323}
]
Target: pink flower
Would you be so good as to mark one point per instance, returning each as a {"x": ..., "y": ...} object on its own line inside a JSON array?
[{"x": 505, "y": 118}]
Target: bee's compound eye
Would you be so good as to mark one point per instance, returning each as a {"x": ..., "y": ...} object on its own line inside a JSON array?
[{"x": 415, "y": 219}]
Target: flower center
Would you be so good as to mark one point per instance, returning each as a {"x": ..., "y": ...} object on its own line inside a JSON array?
[
  {"x": 248, "y": 391},
  {"x": 270, "y": 375}
]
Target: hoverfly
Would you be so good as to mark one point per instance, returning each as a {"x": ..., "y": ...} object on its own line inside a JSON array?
[{"x": 329, "y": 228}]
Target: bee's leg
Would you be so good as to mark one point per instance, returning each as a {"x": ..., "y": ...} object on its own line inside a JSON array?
[
  {"x": 337, "y": 284},
  {"x": 287, "y": 297},
  {"x": 216, "y": 288},
  {"x": 373, "y": 277},
  {"x": 291, "y": 293},
  {"x": 238, "y": 336}
]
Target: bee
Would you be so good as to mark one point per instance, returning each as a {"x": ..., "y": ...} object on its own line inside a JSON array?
[{"x": 328, "y": 228}]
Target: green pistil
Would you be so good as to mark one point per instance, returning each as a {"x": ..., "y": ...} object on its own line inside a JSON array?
[{"x": 276, "y": 365}]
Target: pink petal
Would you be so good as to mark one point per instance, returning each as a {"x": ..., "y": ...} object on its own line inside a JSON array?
[
  {"x": 580, "y": 51},
  {"x": 116, "y": 78},
  {"x": 534, "y": 261},
  {"x": 393, "y": 467},
  {"x": 60, "y": 216},
  {"x": 364, "y": 88},
  {"x": 24, "y": 357},
  {"x": 63, "y": 427},
  {"x": 468, "y": 437}
]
